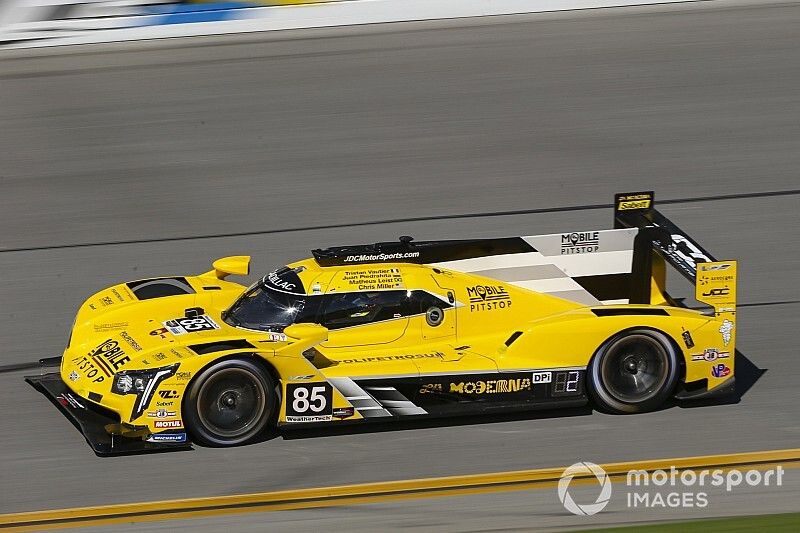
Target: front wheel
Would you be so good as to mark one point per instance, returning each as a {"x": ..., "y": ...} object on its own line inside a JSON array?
[
  {"x": 229, "y": 403},
  {"x": 634, "y": 372}
]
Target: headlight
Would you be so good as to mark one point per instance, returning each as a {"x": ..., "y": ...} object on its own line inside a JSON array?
[
  {"x": 142, "y": 383},
  {"x": 123, "y": 384}
]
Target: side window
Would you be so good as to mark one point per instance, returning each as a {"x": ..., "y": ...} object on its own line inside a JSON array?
[
  {"x": 357, "y": 308},
  {"x": 421, "y": 301}
]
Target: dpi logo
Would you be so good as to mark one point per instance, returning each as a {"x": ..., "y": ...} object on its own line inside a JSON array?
[{"x": 583, "y": 469}]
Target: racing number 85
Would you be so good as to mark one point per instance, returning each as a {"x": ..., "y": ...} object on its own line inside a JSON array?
[
  {"x": 309, "y": 399},
  {"x": 303, "y": 401}
]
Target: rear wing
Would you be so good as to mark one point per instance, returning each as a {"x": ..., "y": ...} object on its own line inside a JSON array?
[
  {"x": 660, "y": 241},
  {"x": 593, "y": 267}
]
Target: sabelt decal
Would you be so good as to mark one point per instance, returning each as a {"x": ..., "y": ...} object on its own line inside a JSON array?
[
  {"x": 634, "y": 201},
  {"x": 488, "y": 297},
  {"x": 634, "y": 204},
  {"x": 184, "y": 325}
]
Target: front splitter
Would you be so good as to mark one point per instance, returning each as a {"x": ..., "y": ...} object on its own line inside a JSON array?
[{"x": 91, "y": 420}]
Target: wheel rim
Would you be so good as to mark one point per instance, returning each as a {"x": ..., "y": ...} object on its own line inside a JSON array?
[
  {"x": 635, "y": 368},
  {"x": 231, "y": 402}
]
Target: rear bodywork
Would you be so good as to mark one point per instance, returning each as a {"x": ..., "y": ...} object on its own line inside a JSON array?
[{"x": 488, "y": 325}]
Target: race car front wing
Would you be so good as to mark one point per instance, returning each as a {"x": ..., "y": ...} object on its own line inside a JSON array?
[{"x": 99, "y": 426}]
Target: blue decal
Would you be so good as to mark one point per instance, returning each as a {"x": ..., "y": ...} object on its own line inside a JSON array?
[
  {"x": 188, "y": 13},
  {"x": 167, "y": 437}
]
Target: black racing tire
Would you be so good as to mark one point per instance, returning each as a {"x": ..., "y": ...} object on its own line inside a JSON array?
[
  {"x": 229, "y": 403},
  {"x": 634, "y": 372}
]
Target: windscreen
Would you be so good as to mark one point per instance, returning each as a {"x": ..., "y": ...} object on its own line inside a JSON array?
[{"x": 266, "y": 309}]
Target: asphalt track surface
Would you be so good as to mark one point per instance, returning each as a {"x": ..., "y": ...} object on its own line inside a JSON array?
[{"x": 164, "y": 148}]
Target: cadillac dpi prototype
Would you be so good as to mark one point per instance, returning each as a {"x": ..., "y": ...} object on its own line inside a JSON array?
[{"x": 379, "y": 332}]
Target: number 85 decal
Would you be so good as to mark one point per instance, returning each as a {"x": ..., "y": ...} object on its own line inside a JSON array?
[{"x": 309, "y": 399}]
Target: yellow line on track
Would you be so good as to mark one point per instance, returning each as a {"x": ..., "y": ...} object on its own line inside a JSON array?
[{"x": 368, "y": 492}]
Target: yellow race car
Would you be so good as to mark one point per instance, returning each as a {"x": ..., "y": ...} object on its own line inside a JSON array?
[{"x": 400, "y": 329}]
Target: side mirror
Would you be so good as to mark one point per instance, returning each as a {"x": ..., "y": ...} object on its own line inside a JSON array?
[
  {"x": 238, "y": 265},
  {"x": 310, "y": 334}
]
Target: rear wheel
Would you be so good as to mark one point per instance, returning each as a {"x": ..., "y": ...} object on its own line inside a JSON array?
[
  {"x": 634, "y": 372},
  {"x": 229, "y": 403}
]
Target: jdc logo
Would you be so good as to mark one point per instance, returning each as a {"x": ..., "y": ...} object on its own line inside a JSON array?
[{"x": 718, "y": 292}]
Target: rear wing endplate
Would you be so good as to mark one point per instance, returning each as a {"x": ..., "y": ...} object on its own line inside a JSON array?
[{"x": 660, "y": 241}]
